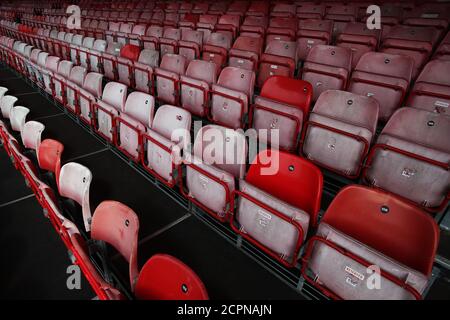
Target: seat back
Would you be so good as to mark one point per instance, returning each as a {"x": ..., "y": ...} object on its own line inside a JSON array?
[
  {"x": 164, "y": 277},
  {"x": 149, "y": 57},
  {"x": 272, "y": 171},
  {"x": 74, "y": 183},
  {"x": 387, "y": 224},
  {"x": 115, "y": 95},
  {"x": 49, "y": 156},
  {"x": 202, "y": 70},
  {"x": 64, "y": 68},
  {"x": 174, "y": 63},
  {"x": 118, "y": 225},
  {"x": 77, "y": 75},
  {"x": 6, "y": 104},
  {"x": 52, "y": 63},
  {"x": 140, "y": 106},
  {"x": 130, "y": 52},
  {"x": 220, "y": 40},
  {"x": 100, "y": 45},
  {"x": 93, "y": 84},
  {"x": 172, "y": 123},
  {"x": 238, "y": 79},
  {"x": 31, "y": 135},
  {"x": 223, "y": 148},
  {"x": 18, "y": 116},
  {"x": 292, "y": 92}
]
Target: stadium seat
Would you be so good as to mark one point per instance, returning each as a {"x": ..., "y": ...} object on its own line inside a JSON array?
[
  {"x": 254, "y": 26},
  {"x": 165, "y": 141},
  {"x": 245, "y": 52},
  {"x": 18, "y": 117},
  {"x": 218, "y": 158},
  {"x": 349, "y": 248},
  {"x": 341, "y": 14},
  {"x": 49, "y": 153},
  {"x": 109, "y": 60},
  {"x": 117, "y": 225},
  {"x": 168, "y": 76},
  {"x": 310, "y": 11},
  {"x": 431, "y": 90},
  {"x": 83, "y": 52},
  {"x": 6, "y": 104},
  {"x": 75, "y": 81},
  {"x": 88, "y": 93},
  {"x": 169, "y": 41},
  {"x": 75, "y": 45},
  {"x": 385, "y": 77},
  {"x": 144, "y": 69},
  {"x": 107, "y": 109},
  {"x": 360, "y": 39},
  {"x": 272, "y": 217},
  {"x": 164, "y": 277},
  {"x": 216, "y": 48},
  {"x": 196, "y": 86},
  {"x": 32, "y": 135},
  {"x": 413, "y": 161},
  {"x": 415, "y": 42},
  {"x": 152, "y": 36},
  {"x": 340, "y": 130},
  {"x": 128, "y": 55},
  {"x": 281, "y": 28},
  {"x": 312, "y": 32},
  {"x": 327, "y": 67},
  {"x": 190, "y": 44},
  {"x": 282, "y": 105},
  {"x": 59, "y": 78},
  {"x": 135, "y": 37},
  {"x": 231, "y": 97},
  {"x": 51, "y": 67},
  {"x": 74, "y": 183},
  {"x": 206, "y": 24},
  {"x": 279, "y": 58},
  {"x": 137, "y": 115},
  {"x": 443, "y": 51}
]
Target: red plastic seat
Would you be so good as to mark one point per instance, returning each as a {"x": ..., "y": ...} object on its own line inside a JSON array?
[
  {"x": 327, "y": 67},
  {"x": 118, "y": 225},
  {"x": 443, "y": 51},
  {"x": 228, "y": 24},
  {"x": 128, "y": 55},
  {"x": 271, "y": 215},
  {"x": 365, "y": 231},
  {"x": 282, "y": 105}
]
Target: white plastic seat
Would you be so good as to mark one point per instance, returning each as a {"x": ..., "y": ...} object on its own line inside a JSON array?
[{"x": 165, "y": 141}]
